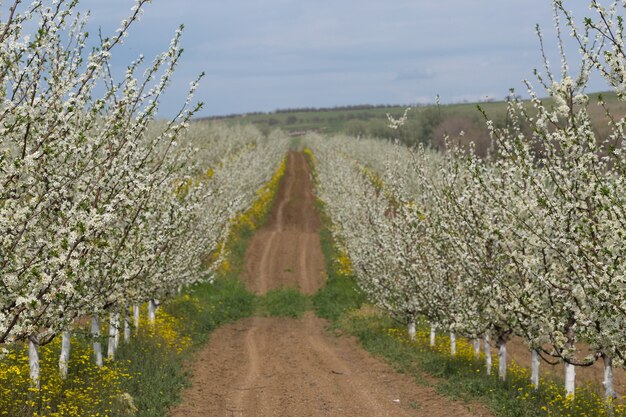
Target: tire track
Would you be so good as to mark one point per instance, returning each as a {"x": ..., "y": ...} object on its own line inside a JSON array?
[
  {"x": 246, "y": 399},
  {"x": 356, "y": 390},
  {"x": 265, "y": 265},
  {"x": 285, "y": 197},
  {"x": 287, "y": 251},
  {"x": 269, "y": 366}
]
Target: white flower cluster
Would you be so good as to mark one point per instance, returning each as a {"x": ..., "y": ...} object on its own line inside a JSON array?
[
  {"x": 530, "y": 241},
  {"x": 101, "y": 207}
]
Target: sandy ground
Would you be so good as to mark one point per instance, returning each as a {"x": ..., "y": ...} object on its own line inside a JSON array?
[{"x": 294, "y": 367}]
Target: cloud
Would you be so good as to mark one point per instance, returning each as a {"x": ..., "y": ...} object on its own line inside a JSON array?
[
  {"x": 424, "y": 100},
  {"x": 472, "y": 98},
  {"x": 269, "y": 54},
  {"x": 415, "y": 74}
]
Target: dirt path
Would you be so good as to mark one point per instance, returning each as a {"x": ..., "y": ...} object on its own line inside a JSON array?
[
  {"x": 262, "y": 367},
  {"x": 284, "y": 367},
  {"x": 286, "y": 251}
]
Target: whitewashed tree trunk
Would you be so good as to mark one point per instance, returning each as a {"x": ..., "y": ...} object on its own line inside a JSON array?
[
  {"x": 433, "y": 333},
  {"x": 127, "y": 313},
  {"x": 570, "y": 370},
  {"x": 488, "y": 353},
  {"x": 64, "y": 359},
  {"x": 534, "y": 368},
  {"x": 609, "y": 389},
  {"x": 118, "y": 328},
  {"x": 114, "y": 331},
  {"x": 33, "y": 362},
  {"x": 151, "y": 312},
  {"x": 97, "y": 346},
  {"x": 412, "y": 330},
  {"x": 477, "y": 348},
  {"x": 452, "y": 344},
  {"x": 570, "y": 379},
  {"x": 136, "y": 316},
  {"x": 502, "y": 361}
]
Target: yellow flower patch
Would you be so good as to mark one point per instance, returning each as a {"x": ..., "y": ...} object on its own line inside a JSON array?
[
  {"x": 164, "y": 330},
  {"x": 87, "y": 391}
]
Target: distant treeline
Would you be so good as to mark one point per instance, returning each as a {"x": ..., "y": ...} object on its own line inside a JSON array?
[
  {"x": 430, "y": 125},
  {"x": 311, "y": 109}
]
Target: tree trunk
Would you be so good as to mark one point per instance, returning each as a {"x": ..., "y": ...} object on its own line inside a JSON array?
[
  {"x": 113, "y": 335},
  {"x": 127, "y": 313},
  {"x": 64, "y": 359},
  {"x": 534, "y": 366},
  {"x": 411, "y": 330},
  {"x": 97, "y": 346},
  {"x": 488, "y": 353},
  {"x": 570, "y": 379},
  {"x": 609, "y": 389},
  {"x": 477, "y": 348},
  {"x": 452, "y": 344},
  {"x": 433, "y": 333},
  {"x": 151, "y": 312},
  {"x": 118, "y": 327},
  {"x": 136, "y": 312},
  {"x": 502, "y": 361},
  {"x": 570, "y": 370},
  {"x": 33, "y": 362}
]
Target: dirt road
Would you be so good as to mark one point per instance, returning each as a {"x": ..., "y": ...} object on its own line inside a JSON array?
[
  {"x": 261, "y": 367},
  {"x": 284, "y": 367},
  {"x": 286, "y": 251}
]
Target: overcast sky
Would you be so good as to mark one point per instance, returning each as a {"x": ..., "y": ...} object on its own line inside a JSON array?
[{"x": 263, "y": 55}]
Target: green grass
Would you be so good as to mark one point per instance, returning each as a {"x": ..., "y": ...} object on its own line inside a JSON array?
[
  {"x": 326, "y": 120},
  {"x": 337, "y": 297},
  {"x": 284, "y": 302},
  {"x": 463, "y": 378},
  {"x": 159, "y": 373},
  {"x": 237, "y": 247},
  {"x": 210, "y": 306},
  {"x": 157, "y": 376}
]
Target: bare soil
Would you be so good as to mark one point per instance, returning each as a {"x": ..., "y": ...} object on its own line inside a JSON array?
[{"x": 265, "y": 367}]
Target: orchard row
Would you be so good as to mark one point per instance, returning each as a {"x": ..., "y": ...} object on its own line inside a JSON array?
[
  {"x": 529, "y": 241},
  {"x": 101, "y": 207}
]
